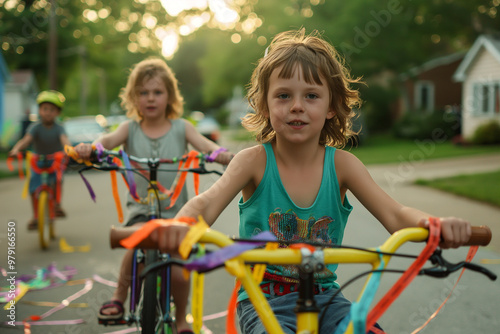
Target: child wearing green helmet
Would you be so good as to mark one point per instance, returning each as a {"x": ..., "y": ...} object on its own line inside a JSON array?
[{"x": 46, "y": 137}]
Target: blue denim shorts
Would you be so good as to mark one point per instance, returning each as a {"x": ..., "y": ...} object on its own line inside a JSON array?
[
  {"x": 36, "y": 179},
  {"x": 283, "y": 308}
]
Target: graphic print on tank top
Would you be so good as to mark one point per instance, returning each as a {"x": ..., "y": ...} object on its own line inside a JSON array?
[{"x": 289, "y": 227}]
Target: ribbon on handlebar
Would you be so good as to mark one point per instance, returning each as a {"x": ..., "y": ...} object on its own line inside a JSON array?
[
  {"x": 470, "y": 255},
  {"x": 58, "y": 166},
  {"x": 116, "y": 196},
  {"x": 231, "y": 310},
  {"x": 146, "y": 174},
  {"x": 214, "y": 154},
  {"x": 28, "y": 176},
  {"x": 19, "y": 157},
  {"x": 133, "y": 240},
  {"x": 192, "y": 237},
  {"x": 99, "y": 150},
  {"x": 409, "y": 274},
  {"x": 360, "y": 308},
  {"x": 130, "y": 175},
  {"x": 71, "y": 152},
  {"x": 191, "y": 159},
  {"x": 217, "y": 258}
]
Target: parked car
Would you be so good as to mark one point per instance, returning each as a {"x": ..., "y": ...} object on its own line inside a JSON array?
[
  {"x": 209, "y": 127},
  {"x": 84, "y": 129},
  {"x": 114, "y": 121}
]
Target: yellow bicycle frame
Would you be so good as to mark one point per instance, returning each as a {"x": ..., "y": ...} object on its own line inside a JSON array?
[{"x": 306, "y": 322}]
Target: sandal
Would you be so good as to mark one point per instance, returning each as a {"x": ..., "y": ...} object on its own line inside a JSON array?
[
  {"x": 113, "y": 303},
  {"x": 60, "y": 212},
  {"x": 33, "y": 225}
]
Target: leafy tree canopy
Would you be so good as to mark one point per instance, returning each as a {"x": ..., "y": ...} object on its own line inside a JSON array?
[{"x": 213, "y": 45}]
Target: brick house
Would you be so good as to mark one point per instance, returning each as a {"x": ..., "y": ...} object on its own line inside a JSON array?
[
  {"x": 430, "y": 87},
  {"x": 480, "y": 74}
]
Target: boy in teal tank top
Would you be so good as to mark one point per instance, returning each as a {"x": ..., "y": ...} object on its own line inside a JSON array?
[{"x": 295, "y": 182}]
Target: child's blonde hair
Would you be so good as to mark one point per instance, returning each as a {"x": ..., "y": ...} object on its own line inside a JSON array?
[
  {"x": 143, "y": 71},
  {"x": 318, "y": 59}
]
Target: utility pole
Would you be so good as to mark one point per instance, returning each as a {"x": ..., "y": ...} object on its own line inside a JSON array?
[{"x": 52, "y": 48}]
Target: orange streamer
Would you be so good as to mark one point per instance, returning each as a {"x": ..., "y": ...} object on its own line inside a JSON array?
[
  {"x": 231, "y": 310},
  {"x": 116, "y": 196}
]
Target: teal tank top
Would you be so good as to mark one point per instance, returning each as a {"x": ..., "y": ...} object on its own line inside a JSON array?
[{"x": 271, "y": 209}]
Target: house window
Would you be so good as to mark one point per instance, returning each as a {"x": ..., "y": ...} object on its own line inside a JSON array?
[
  {"x": 496, "y": 98},
  {"x": 487, "y": 98},
  {"x": 424, "y": 95}
]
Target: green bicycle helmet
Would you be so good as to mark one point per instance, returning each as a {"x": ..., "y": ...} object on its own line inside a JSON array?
[{"x": 51, "y": 96}]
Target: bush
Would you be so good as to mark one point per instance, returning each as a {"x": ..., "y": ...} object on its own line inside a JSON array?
[
  {"x": 376, "y": 108},
  {"x": 419, "y": 125},
  {"x": 487, "y": 134}
]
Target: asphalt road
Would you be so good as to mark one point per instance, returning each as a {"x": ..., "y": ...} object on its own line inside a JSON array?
[{"x": 472, "y": 309}]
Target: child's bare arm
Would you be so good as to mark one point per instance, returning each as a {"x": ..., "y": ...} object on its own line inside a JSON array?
[
  {"x": 64, "y": 140},
  {"x": 108, "y": 141},
  {"x": 354, "y": 176},
  {"x": 22, "y": 144},
  {"x": 205, "y": 145},
  {"x": 239, "y": 174}
]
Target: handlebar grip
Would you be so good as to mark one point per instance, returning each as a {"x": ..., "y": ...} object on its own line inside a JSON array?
[
  {"x": 120, "y": 233},
  {"x": 481, "y": 236}
]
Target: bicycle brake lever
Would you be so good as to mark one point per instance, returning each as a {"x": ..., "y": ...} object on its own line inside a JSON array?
[
  {"x": 201, "y": 170},
  {"x": 443, "y": 268},
  {"x": 477, "y": 268}
]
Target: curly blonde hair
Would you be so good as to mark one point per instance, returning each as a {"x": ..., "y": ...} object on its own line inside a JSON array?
[
  {"x": 318, "y": 60},
  {"x": 143, "y": 71}
]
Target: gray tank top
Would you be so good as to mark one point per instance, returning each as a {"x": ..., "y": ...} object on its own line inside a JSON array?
[{"x": 172, "y": 144}]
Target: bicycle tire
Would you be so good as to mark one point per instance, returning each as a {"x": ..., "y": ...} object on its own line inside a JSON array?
[
  {"x": 45, "y": 225},
  {"x": 150, "y": 315}
]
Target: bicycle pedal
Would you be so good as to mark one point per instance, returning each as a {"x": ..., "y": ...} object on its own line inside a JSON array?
[{"x": 112, "y": 322}]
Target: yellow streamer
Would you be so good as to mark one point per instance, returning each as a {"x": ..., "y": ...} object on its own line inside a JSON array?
[
  {"x": 27, "y": 161},
  {"x": 259, "y": 269},
  {"x": 23, "y": 288},
  {"x": 192, "y": 237},
  {"x": 66, "y": 248},
  {"x": 197, "y": 301}
]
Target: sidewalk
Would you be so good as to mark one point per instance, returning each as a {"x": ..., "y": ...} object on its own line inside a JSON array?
[{"x": 397, "y": 180}]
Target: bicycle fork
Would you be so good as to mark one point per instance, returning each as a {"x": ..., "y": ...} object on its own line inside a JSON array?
[{"x": 306, "y": 308}]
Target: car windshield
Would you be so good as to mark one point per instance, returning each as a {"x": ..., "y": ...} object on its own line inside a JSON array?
[{"x": 83, "y": 127}]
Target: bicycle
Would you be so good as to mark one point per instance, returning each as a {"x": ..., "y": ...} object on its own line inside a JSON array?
[
  {"x": 312, "y": 258},
  {"x": 48, "y": 194},
  {"x": 150, "y": 295}
]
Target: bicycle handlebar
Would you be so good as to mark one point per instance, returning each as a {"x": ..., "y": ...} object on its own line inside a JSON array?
[
  {"x": 481, "y": 236},
  {"x": 97, "y": 154},
  {"x": 313, "y": 260}
]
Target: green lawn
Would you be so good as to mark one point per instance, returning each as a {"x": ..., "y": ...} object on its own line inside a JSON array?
[
  {"x": 483, "y": 187},
  {"x": 386, "y": 149}
]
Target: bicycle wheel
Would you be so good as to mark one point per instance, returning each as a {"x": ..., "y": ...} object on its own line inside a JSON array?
[
  {"x": 45, "y": 226},
  {"x": 151, "y": 313}
]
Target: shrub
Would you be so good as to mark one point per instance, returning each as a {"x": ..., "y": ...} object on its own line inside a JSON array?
[
  {"x": 487, "y": 134},
  {"x": 376, "y": 108},
  {"x": 419, "y": 125}
]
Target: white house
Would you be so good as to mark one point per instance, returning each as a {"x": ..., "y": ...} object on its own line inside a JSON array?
[
  {"x": 20, "y": 101},
  {"x": 480, "y": 73}
]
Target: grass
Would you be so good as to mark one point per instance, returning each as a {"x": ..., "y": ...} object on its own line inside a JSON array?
[
  {"x": 383, "y": 149},
  {"x": 481, "y": 187},
  {"x": 5, "y": 174}
]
